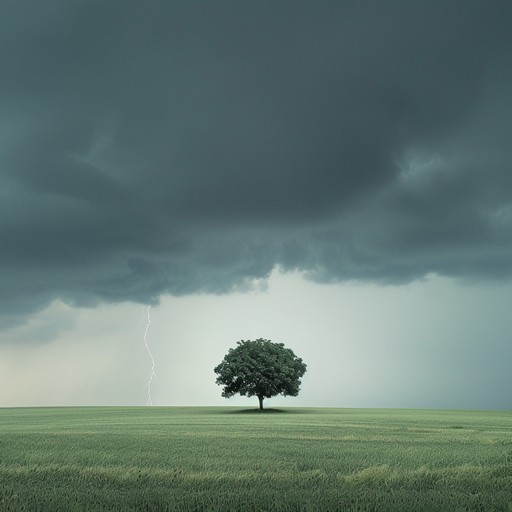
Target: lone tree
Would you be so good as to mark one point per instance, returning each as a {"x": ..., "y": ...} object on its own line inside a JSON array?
[{"x": 260, "y": 368}]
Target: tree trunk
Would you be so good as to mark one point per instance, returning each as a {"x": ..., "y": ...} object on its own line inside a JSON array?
[{"x": 260, "y": 398}]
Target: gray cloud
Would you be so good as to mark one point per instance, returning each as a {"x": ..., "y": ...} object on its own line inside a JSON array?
[{"x": 193, "y": 146}]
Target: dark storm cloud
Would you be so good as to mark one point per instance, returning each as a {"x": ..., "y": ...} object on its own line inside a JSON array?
[{"x": 179, "y": 147}]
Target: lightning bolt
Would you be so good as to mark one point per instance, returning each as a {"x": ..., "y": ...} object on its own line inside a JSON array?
[{"x": 152, "y": 375}]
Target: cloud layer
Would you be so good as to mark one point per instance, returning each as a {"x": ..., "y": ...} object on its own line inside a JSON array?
[{"x": 183, "y": 147}]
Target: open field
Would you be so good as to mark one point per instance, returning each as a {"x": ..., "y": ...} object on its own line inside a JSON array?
[{"x": 227, "y": 459}]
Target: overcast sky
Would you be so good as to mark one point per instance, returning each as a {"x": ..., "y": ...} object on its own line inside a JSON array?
[{"x": 336, "y": 176}]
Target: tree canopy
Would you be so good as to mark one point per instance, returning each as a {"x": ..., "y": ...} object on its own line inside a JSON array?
[{"x": 260, "y": 368}]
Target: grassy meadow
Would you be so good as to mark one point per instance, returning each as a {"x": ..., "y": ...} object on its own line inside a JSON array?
[{"x": 228, "y": 459}]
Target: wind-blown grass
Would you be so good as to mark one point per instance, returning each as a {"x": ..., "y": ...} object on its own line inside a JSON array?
[{"x": 194, "y": 459}]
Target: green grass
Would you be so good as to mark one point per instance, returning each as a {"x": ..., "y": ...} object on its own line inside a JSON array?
[{"x": 227, "y": 459}]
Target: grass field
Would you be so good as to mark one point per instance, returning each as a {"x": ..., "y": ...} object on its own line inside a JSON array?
[{"x": 227, "y": 459}]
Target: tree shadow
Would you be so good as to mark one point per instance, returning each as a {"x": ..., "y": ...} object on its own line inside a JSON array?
[{"x": 270, "y": 410}]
